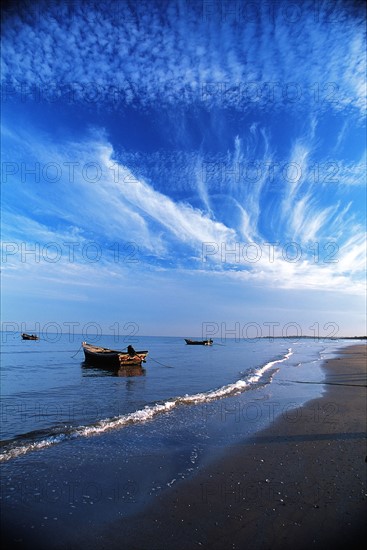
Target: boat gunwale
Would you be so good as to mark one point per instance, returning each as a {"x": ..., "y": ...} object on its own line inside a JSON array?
[{"x": 98, "y": 350}]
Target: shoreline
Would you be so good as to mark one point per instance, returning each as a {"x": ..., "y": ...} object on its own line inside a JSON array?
[
  {"x": 297, "y": 484},
  {"x": 297, "y": 478}
]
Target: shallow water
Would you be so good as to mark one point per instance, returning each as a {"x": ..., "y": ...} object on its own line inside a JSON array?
[{"x": 49, "y": 396}]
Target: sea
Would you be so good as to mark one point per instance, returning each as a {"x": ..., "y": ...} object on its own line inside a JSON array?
[{"x": 77, "y": 438}]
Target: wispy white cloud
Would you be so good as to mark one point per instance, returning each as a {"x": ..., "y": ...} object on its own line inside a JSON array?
[
  {"x": 353, "y": 255},
  {"x": 117, "y": 205},
  {"x": 296, "y": 169},
  {"x": 122, "y": 207}
]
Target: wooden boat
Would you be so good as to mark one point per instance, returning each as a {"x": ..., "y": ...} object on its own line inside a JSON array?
[
  {"x": 26, "y": 336},
  {"x": 208, "y": 342},
  {"x": 111, "y": 358}
]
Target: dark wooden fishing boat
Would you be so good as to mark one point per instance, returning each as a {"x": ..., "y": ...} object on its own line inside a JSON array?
[
  {"x": 110, "y": 358},
  {"x": 208, "y": 342},
  {"x": 26, "y": 336}
]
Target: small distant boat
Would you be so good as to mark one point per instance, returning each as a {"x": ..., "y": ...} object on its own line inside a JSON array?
[
  {"x": 111, "y": 358},
  {"x": 26, "y": 336},
  {"x": 208, "y": 342}
]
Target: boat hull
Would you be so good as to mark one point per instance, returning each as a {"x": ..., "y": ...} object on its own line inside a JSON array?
[
  {"x": 199, "y": 342},
  {"x": 29, "y": 337},
  {"x": 112, "y": 359}
]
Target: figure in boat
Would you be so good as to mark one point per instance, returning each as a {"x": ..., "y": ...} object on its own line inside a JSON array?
[{"x": 131, "y": 351}]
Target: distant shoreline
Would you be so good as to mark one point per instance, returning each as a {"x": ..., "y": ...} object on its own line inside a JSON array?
[{"x": 135, "y": 336}]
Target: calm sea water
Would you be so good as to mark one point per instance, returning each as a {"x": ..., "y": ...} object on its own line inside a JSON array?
[{"x": 49, "y": 396}]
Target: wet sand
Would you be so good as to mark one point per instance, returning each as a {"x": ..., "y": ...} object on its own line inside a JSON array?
[{"x": 301, "y": 483}]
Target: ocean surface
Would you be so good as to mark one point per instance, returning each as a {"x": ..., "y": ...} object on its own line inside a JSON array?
[
  {"x": 49, "y": 395},
  {"x": 75, "y": 436}
]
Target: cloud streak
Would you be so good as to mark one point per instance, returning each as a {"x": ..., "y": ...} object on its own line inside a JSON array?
[{"x": 122, "y": 207}]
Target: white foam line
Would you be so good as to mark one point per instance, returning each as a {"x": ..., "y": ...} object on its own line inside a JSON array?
[
  {"x": 143, "y": 415},
  {"x": 257, "y": 375}
]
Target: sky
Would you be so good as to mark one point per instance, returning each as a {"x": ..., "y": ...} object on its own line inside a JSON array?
[{"x": 184, "y": 168}]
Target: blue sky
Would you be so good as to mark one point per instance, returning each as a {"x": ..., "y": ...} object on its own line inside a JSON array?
[{"x": 173, "y": 164}]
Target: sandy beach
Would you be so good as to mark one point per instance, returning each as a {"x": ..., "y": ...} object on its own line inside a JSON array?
[{"x": 301, "y": 483}]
